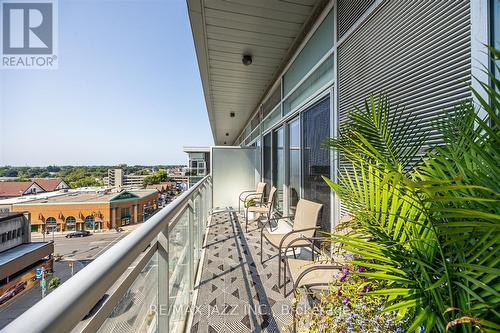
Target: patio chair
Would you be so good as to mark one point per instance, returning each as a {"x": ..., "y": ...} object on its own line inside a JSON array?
[
  {"x": 256, "y": 195},
  {"x": 311, "y": 275},
  {"x": 305, "y": 223},
  {"x": 265, "y": 208}
]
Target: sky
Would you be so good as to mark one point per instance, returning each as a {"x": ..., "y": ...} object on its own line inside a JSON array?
[{"x": 127, "y": 90}]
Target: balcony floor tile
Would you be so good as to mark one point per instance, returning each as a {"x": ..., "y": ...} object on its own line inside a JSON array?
[{"x": 236, "y": 292}]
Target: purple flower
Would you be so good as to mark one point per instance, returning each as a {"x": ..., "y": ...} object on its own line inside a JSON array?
[
  {"x": 345, "y": 300},
  {"x": 339, "y": 292},
  {"x": 361, "y": 269},
  {"x": 345, "y": 271},
  {"x": 365, "y": 289},
  {"x": 342, "y": 279}
]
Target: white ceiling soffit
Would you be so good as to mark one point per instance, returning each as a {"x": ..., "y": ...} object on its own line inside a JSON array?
[{"x": 224, "y": 31}]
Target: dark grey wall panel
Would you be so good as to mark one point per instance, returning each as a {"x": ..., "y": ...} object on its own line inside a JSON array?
[
  {"x": 348, "y": 12},
  {"x": 416, "y": 52}
]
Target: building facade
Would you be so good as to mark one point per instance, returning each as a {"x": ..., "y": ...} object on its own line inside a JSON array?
[
  {"x": 198, "y": 163},
  {"x": 18, "y": 255},
  {"x": 89, "y": 211},
  {"x": 118, "y": 178},
  {"x": 281, "y": 79}
]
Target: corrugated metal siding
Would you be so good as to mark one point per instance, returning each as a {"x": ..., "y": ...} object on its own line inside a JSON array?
[
  {"x": 348, "y": 12},
  {"x": 416, "y": 52}
]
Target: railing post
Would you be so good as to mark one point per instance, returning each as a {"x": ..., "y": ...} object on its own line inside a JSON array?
[
  {"x": 191, "y": 244},
  {"x": 163, "y": 312}
]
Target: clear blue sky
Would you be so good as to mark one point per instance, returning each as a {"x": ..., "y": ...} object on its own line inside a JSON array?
[{"x": 127, "y": 90}]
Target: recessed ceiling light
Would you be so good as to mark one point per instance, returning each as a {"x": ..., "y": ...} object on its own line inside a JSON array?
[
  {"x": 246, "y": 60},
  {"x": 227, "y": 134}
]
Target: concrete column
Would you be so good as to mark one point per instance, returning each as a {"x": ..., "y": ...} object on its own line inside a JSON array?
[
  {"x": 135, "y": 213},
  {"x": 113, "y": 217}
]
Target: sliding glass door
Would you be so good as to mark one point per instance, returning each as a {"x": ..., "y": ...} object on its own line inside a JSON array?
[
  {"x": 267, "y": 152},
  {"x": 316, "y": 157},
  {"x": 293, "y": 165}
]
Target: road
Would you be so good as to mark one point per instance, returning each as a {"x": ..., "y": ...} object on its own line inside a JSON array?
[{"x": 80, "y": 251}]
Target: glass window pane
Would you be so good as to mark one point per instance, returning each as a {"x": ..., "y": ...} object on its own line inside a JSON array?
[
  {"x": 294, "y": 167},
  {"x": 319, "y": 45},
  {"x": 495, "y": 29},
  {"x": 322, "y": 76},
  {"x": 316, "y": 158},
  {"x": 267, "y": 160},
  {"x": 272, "y": 101},
  {"x": 278, "y": 167},
  {"x": 273, "y": 118}
]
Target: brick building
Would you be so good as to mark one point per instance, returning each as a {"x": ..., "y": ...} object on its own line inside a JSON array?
[{"x": 89, "y": 210}]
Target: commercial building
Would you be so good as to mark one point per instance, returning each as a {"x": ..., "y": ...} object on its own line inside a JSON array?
[
  {"x": 89, "y": 210},
  {"x": 278, "y": 78},
  {"x": 118, "y": 178},
  {"x": 12, "y": 189},
  {"x": 18, "y": 255}
]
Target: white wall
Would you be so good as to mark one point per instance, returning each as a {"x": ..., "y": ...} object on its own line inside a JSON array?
[{"x": 233, "y": 171}]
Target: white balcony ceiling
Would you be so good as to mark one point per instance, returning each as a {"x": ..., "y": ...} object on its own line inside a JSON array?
[{"x": 225, "y": 30}]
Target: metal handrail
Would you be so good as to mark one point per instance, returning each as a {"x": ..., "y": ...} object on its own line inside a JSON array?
[{"x": 66, "y": 306}]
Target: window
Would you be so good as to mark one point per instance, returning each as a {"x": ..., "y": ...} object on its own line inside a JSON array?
[
  {"x": 316, "y": 159},
  {"x": 9, "y": 235},
  {"x": 89, "y": 222},
  {"x": 278, "y": 166},
  {"x": 18, "y": 232},
  {"x": 51, "y": 220},
  {"x": 70, "y": 220},
  {"x": 317, "y": 46},
  {"x": 294, "y": 165},
  {"x": 495, "y": 31},
  {"x": 4, "y": 237},
  {"x": 267, "y": 160}
]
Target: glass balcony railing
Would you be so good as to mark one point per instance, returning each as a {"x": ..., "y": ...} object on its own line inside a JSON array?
[{"x": 144, "y": 283}]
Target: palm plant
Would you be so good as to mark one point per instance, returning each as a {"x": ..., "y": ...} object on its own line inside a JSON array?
[{"x": 427, "y": 219}]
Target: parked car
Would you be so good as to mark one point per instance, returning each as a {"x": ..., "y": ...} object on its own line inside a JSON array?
[
  {"x": 12, "y": 292},
  {"x": 80, "y": 233}
]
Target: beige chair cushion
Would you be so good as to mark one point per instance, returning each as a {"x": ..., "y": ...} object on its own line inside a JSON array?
[
  {"x": 260, "y": 210},
  {"x": 275, "y": 239},
  {"x": 320, "y": 276}
]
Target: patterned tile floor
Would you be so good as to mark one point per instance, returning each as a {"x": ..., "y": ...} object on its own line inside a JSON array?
[{"x": 236, "y": 292}]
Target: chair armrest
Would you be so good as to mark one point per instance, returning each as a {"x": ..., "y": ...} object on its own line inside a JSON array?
[
  {"x": 281, "y": 218},
  {"x": 249, "y": 191},
  {"x": 294, "y": 232},
  {"x": 250, "y": 195},
  {"x": 309, "y": 239},
  {"x": 316, "y": 268}
]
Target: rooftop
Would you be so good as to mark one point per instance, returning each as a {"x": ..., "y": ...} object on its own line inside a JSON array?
[
  {"x": 92, "y": 197},
  {"x": 12, "y": 189}
]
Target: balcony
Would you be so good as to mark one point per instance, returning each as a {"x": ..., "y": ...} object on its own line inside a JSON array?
[{"x": 188, "y": 268}]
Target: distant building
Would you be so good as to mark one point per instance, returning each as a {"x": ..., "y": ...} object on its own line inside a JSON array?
[
  {"x": 118, "y": 178},
  {"x": 51, "y": 184},
  {"x": 18, "y": 255},
  {"x": 89, "y": 210},
  {"x": 39, "y": 185},
  {"x": 198, "y": 163}
]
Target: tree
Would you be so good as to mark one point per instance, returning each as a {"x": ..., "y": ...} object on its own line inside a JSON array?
[
  {"x": 429, "y": 230},
  {"x": 54, "y": 282}
]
